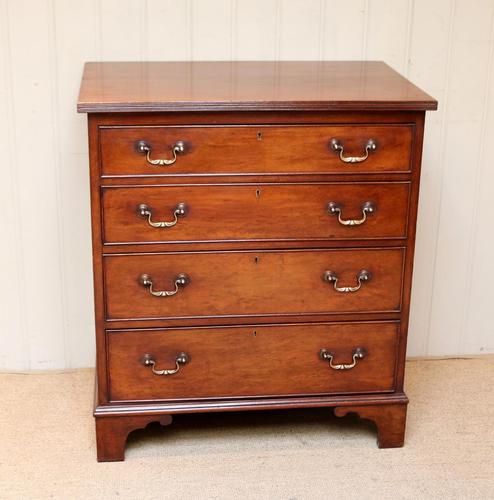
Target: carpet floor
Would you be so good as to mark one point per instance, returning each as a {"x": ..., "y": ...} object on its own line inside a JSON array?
[{"x": 47, "y": 446}]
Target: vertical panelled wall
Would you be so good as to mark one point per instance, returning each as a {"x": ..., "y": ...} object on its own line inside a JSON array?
[{"x": 445, "y": 46}]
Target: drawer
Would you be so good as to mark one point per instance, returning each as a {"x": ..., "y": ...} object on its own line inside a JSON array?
[
  {"x": 254, "y": 212},
  {"x": 258, "y": 150},
  {"x": 244, "y": 283},
  {"x": 252, "y": 361}
]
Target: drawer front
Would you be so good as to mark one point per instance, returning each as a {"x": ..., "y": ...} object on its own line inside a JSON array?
[
  {"x": 255, "y": 150},
  {"x": 252, "y": 361},
  {"x": 255, "y": 212},
  {"x": 202, "y": 284}
]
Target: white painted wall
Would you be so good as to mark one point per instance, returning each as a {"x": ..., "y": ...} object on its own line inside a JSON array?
[{"x": 445, "y": 46}]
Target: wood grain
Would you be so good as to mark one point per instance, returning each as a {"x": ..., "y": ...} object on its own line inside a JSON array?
[
  {"x": 252, "y": 361},
  {"x": 115, "y": 422},
  {"x": 255, "y": 212},
  {"x": 390, "y": 421},
  {"x": 243, "y": 86},
  {"x": 252, "y": 283},
  {"x": 255, "y": 243},
  {"x": 112, "y": 433},
  {"x": 212, "y": 150}
]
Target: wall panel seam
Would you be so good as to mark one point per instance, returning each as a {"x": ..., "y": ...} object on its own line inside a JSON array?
[
  {"x": 57, "y": 155},
  {"x": 442, "y": 154},
  {"x": 14, "y": 183},
  {"x": 365, "y": 30},
  {"x": 472, "y": 247},
  {"x": 322, "y": 29},
  {"x": 233, "y": 30},
  {"x": 99, "y": 30},
  {"x": 144, "y": 30},
  {"x": 278, "y": 31},
  {"x": 410, "y": 20},
  {"x": 190, "y": 4}
]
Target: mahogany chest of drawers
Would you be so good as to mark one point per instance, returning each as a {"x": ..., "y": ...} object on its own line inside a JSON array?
[{"x": 253, "y": 237}]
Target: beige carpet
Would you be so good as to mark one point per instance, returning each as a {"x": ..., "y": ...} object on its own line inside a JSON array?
[{"x": 47, "y": 447}]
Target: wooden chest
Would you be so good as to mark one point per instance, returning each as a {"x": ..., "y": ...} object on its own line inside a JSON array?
[{"x": 253, "y": 237}]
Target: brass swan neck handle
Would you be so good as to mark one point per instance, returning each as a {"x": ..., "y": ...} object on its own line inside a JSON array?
[
  {"x": 144, "y": 147},
  {"x": 180, "y": 281},
  {"x": 145, "y": 211},
  {"x": 367, "y": 209},
  {"x": 181, "y": 359},
  {"x": 362, "y": 277},
  {"x": 358, "y": 353},
  {"x": 337, "y": 145}
]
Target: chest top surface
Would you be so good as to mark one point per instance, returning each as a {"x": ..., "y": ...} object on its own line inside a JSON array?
[{"x": 115, "y": 87}]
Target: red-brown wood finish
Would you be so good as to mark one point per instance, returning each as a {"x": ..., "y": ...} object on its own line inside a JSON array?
[
  {"x": 252, "y": 361},
  {"x": 390, "y": 421},
  {"x": 112, "y": 433},
  {"x": 255, "y": 149},
  {"x": 239, "y": 212},
  {"x": 253, "y": 283},
  {"x": 257, "y": 174},
  {"x": 247, "y": 86}
]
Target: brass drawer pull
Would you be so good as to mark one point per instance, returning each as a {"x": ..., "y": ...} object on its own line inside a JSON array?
[
  {"x": 335, "y": 209},
  {"x": 181, "y": 359},
  {"x": 358, "y": 353},
  {"x": 332, "y": 277},
  {"x": 180, "y": 281},
  {"x": 146, "y": 211},
  {"x": 144, "y": 147},
  {"x": 337, "y": 145}
]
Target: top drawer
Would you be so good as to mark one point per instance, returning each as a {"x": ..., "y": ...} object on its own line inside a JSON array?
[{"x": 254, "y": 149}]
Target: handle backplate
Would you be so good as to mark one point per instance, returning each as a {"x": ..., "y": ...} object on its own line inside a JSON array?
[
  {"x": 335, "y": 209},
  {"x": 362, "y": 276},
  {"x": 180, "y": 281},
  {"x": 144, "y": 147},
  {"x": 338, "y": 146},
  {"x": 358, "y": 353},
  {"x": 145, "y": 211},
  {"x": 181, "y": 359}
]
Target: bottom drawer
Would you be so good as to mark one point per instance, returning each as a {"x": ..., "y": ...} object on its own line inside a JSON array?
[{"x": 252, "y": 361}]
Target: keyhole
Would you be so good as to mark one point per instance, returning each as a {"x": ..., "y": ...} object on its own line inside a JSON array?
[
  {"x": 256, "y": 259},
  {"x": 259, "y": 136},
  {"x": 258, "y": 193},
  {"x": 254, "y": 333}
]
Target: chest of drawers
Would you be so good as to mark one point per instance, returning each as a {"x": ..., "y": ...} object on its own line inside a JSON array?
[{"x": 253, "y": 237}]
